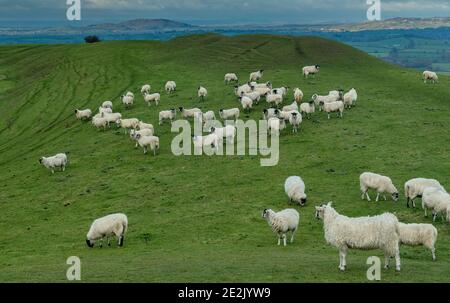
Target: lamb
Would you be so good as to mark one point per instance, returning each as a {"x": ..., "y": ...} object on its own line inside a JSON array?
[
  {"x": 379, "y": 232},
  {"x": 256, "y": 75},
  {"x": 106, "y": 110},
  {"x": 167, "y": 115},
  {"x": 100, "y": 122},
  {"x": 112, "y": 225},
  {"x": 143, "y": 125},
  {"x": 292, "y": 107},
  {"x": 432, "y": 76},
  {"x": 202, "y": 93},
  {"x": 212, "y": 140},
  {"x": 85, "y": 114},
  {"x": 419, "y": 234},
  {"x": 189, "y": 113},
  {"x": 128, "y": 100},
  {"x": 228, "y": 132},
  {"x": 274, "y": 99},
  {"x": 308, "y": 109},
  {"x": 282, "y": 223},
  {"x": 107, "y": 104},
  {"x": 381, "y": 184},
  {"x": 247, "y": 103},
  {"x": 310, "y": 70},
  {"x": 147, "y": 141},
  {"x": 231, "y": 78},
  {"x": 276, "y": 125},
  {"x": 333, "y": 107},
  {"x": 255, "y": 96},
  {"x": 57, "y": 161},
  {"x": 143, "y": 132},
  {"x": 226, "y": 114},
  {"x": 295, "y": 119},
  {"x": 414, "y": 188},
  {"x": 111, "y": 118},
  {"x": 298, "y": 95},
  {"x": 294, "y": 187},
  {"x": 350, "y": 98},
  {"x": 146, "y": 89},
  {"x": 170, "y": 87},
  {"x": 149, "y": 98},
  {"x": 437, "y": 200},
  {"x": 270, "y": 113},
  {"x": 128, "y": 124}
]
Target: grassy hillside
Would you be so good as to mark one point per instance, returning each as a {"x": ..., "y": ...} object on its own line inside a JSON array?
[{"x": 198, "y": 219}]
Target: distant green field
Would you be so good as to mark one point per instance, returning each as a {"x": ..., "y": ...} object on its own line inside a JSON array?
[{"x": 198, "y": 219}]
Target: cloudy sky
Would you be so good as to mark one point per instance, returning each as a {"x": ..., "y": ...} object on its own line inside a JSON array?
[{"x": 53, "y": 12}]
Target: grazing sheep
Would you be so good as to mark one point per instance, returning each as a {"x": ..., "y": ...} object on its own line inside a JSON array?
[
  {"x": 189, "y": 113},
  {"x": 228, "y": 132},
  {"x": 208, "y": 116},
  {"x": 276, "y": 125},
  {"x": 107, "y": 104},
  {"x": 130, "y": 94},
  {"x": 294, "y": 187},
  {"x": 270, "y": 113},
  {"x": 246, "y": 88},
  {"x": 261, "y": 85},
  {"x": 146, "y": 89},
  {"x": 128, "y": 100},
  {"x": 202, "y": 93},
  {"x": 419, "y": 234},
  {"x": 337, "y": 94},
  {"x": 379, "y": 232},
  {"x": 274, "y": 99},
  {"x": 310, "y": 70},
  {"x": 111, "y": 118},
  {"x": 432, "y": 76},
  {"x": 170, "y": 87},
  {"x": 256, "y": 75},
  {"x": 295, "y": 119},
  {"x": 149, "y": 98},
  {"x": 255, "y": 96},
  {"x": 99, "y": 122},
  {"x": 292, "y": 107},
  {"x": 308, "y": 109},
  {"x": 226, "y": 114},
  {"x": 247, "y": 103},
  {"x": 211, "y": 140},
  {"x": 284, "y": 114},
  {"x": 333, "y": 107},
  {"x": 298, "y": 95},
  {"x": 167, "y": 115},
  {"x": 281, "y": 90},
  {"x": 381, "y": 184},
  {"x": 231, "y": 78},
  {"x": 147, "y": 141},
  {"x": 282, "y": 222},
  {"x": 325, "y": 99},
  {"x": 143, "y": 125},
  {"x": 350, "y": 98},
  {"x": 262, "y": 91},
  {"x": 85, "y": 114},
  {"x": 106, "y": 110},
  {"x": 109, "y": 226},
  {"x": 143, "y": 132},
  {"x": 437, "y": 200},
  {"x": 57, "y": 161},
  {"x": 127, "y": 124},
  {"x": 414, "y": 188}
]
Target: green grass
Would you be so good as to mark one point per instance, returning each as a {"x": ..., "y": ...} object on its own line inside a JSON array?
[{"x": 198, "y": 219}]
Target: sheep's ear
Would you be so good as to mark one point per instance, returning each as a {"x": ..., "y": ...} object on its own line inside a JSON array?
[
  {"x": 318, "y": 207},
  {"x": 330, "y": 204}
]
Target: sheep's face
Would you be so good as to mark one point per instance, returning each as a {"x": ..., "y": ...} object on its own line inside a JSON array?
[
  {"x": 395, "y": 196},
  {"x": 321, "y": 103},
  {"x": 41, "y": 160},
  {"x": 265, "y": 213},
  {"x": 318, "y": 67},
  {"x": 89, "y": 243},
  {"x": 320, "y": 211},
  {"x": 311, "y": 102}
]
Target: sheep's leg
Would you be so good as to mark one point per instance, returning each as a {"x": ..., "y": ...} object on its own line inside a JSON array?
[
  {"x": 293, "y": 234},
  {"x": 53, "y": 171},
  {"x": 145, "y": 150},
  {"x": 434, "y": 216},
  {"x": 387, "y": 260},
  {"x": 368, "y": 197},
  {"x": 363, "y": 195},
  {"x": 344, "y": 258},
  {"x": 109, "y": 240},
  {"x": 279, "y": 240},
  {"x": 101, "y": 242},
  {"x": 284, "y": 239},
  {"x": 385, "y": 199},
  {"x": 397, "y": 260},
  {"x": 413, "y": 203},
  {"x": 426, "y": 214},
  {"x": 328, "y": 116},
  {"x": 342, "y": 261},
  {"x": 378, "y": 197},
  {"x": 433, "y": 252}
]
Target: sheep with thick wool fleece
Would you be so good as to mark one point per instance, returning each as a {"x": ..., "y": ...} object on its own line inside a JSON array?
[
  {"x": 85, "y": 114},
  {"x": 283, "y": 222},
  {"x": 276, "y": 125},
  {"x": 308, "y": 109},
  {"x": 261, "y": 85},
  {"x": 111, "y": 225},
  {"x": 202, "y": 93},
  {"x": 211, "y": 140},
  {"x": 107, "y": 104},
  {"x": 350, "y": 98},
  {"x": 310, "y": 70},
  {"x": 381, "y": 184},
  {"x": 254, "y": 95},
  {"x": 274, "y": 99},
  {"x": 170, "y": 87},
  {"x": 419, "y": 234},
  {"x": 292, "y": 107},
  {"x": 270, "y": 113},
  {"x": 294, "y": 187},
  {"x": 379, "y": 232},
  {"x": 126, "y": 124},
  {"x": 128, "y": 100},
  {"x": 232, "y": 113},
  {"x": 146, "y": 89},
  {"x": 203, "y": 118},
  {"x": 106, "y": 110},
  {"x": 337, "y": 94},
  {"x": 143, "y": 132},
  {"x": 246, "y": 88},
  {"x": 130, "y": 94},
  {"x": 152, "y": 98},
  {"x": 231, "y": 77},
  {"x": 429, "y": 75},
  {"x": 189, "y": 113},
  {"x": 318, "y": 99},
  {"x": 228, "y": 132},
  {"x": 295, "y": 119},
  {"x": 298, "y": 95},
  {"x": 57, "y": 161},
  {"x": 414, "y": 188},
  {"x": 284, "y": 114},
  {"x": 281, "y": 90},
  {"x": 146, "y": 142},
  {"x": 437, "y": 200},
  {"x": 111, "y": 118},
  {"x": 246, "y": 102},
  {"x": 257, "y": 75},
  {"x": 99, "y": 122},
  {"x": 262, "y": 91},
  {"x": 333, "y": 107},
  {"x": 167, "y": 115},
  {"x": 143, "y": 125}
]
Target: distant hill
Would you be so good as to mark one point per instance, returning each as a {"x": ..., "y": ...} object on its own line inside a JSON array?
[
  {"x": 141, "y": 25},
  {"x": 394, "y": 23}
]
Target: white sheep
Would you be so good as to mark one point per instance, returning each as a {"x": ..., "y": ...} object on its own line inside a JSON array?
[
  {"x": 208, "y": 116},
  {"x": 295, "y": 119},
  {"x": 429, "y": 75},
  {"x": 337, "y": 94},
  {"x": 333, "y": 107},
  {"x": 246, "y": 88},
  {"x": 283, "y": 222},
  {"x": 128, "y": 100},
  {"x": 294, "y": 187},
  {"x": 274, "y": 99},
  {"x": 150, "y": 98},
  {"x": 143, "y": 125},
  {"x": 228, "y": 132},
  {"x": 102, "y": 110},
  {"x": 270, "y": 113},
  {"x": 414, "y": 188},
  {"x": 202, "y": 93},
  {"x": 281, "y": 90},
  {"x": 256, "y": 75},
  {"x": 128, "y": 124},
  {"x": 167, "y": 115},
  {"x": 310, "y": 70},
  {"x": 419, "y": 234},
  {"x": 318, "y": 99},
  {"x": 381, "y": 184},
  {"x": 189, "y": 113},
  {"x": 276, "y": 125},
  {"x": 99, "y": 122},
  {"x": 226, "y": 114},
  {"x": 85, "y": 114},
  {"x": 170, "y": 87},
  {"x": 231, "y": 77},
  {"x": 146, "y": 142},
  {"x": 143, "y": 132},
  {"x": 298, "y": 95},
  {"x": 379, "y": 232},
  {"x": 130, "y": 94},
  {"x": 262, "y": 91},
  {"x": 211, "y": 140},
  {"x": 308, "y": 109},
  {"x": 107, "y": 104},
  {"x": 109, "y": 226},
  {"x": 247, "y": 103},
  {"x": 284, "y": 114},
  {"x": 57, "y": 161},
  {"x": 350, "y": 98},
  {"x": 146, "y": 89},
  {"x": 292, "y": 107},
  {"x": 254, "y": 95},
  {"x": 111, "y": 118},
  {"x": 437, "y": 200}
]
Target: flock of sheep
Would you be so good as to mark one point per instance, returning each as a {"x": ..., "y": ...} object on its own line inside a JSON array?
[{"x": 383, "y": 232}]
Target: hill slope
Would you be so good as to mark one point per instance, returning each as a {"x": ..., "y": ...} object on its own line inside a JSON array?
[{"x": 199, "y": 218}]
